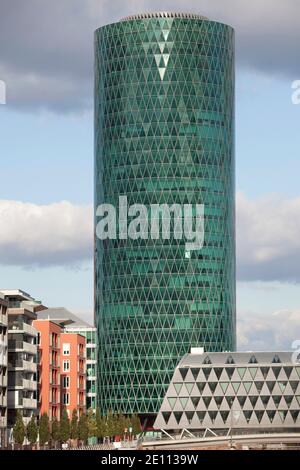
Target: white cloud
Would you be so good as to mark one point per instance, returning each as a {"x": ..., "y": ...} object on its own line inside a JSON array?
[
  {"x": 268, "y": 236},
  {"x": 47, "y": 68},
  {"x": 268, "y": 332},
  {"x": 268, "y": 241},
  {"x": 54, "y": 234}
]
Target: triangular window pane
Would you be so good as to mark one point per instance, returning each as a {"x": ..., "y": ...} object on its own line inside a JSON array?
[
  {"x": 195, "y": 371},
  {"x": 207, "y": 401},
  {"x": 190, "y": 415},
  {"x": 189, "y": 387},
  {"x": 271, "y": 414},
  {"x": 253, "y": 372},
  {"x": 172, "y": 402},
  {"x": 241, "y": 400},
  {"x": 183, "y": 401},
  {"x": 178, "y": 415},
  {"x": 224, "y": 386},
  {"x": 259, "y": 415},
  {"x": 195, "y": 401},
  {"x": 178, "y": 387},
  {"x": 183, "y": 372},
  {"x": 241, "y": 371},
  {"x": 201, "y": 386},
  {"x": 236, "y": 386},
  {"x": 166, "y": 416},
  {"x": 212, "y": 386},
  {"x": 206, "y": 372}
]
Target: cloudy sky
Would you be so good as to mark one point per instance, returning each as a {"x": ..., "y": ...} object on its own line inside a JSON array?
[{"x": 46, "y": 154}]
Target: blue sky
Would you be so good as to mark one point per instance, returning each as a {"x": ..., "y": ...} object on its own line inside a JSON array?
[{"x": 46, "y": 153}]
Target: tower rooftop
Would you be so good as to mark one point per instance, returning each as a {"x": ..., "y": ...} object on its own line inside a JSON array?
[{"x": 164, "y": 14}]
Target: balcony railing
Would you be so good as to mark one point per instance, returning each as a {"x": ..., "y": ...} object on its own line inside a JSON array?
[
  {"x": 19, "y": 327},
  {"x": 29, "y": 384},
  {"x": 29, "y": 403},
  {"x": 2, "y": 422},
  {"x": 21, "y": 364},
  {"x": 22, "y": 346},
  {"x": 3, "y": 359},
  {"x": 3, "y": 319}
]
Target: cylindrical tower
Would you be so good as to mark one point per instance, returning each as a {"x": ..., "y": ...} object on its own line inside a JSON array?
[{"x": 164, "y": 134}]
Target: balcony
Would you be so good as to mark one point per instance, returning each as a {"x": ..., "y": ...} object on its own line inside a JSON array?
[
  {"x": 2, "y": 422},
  {"x": 22, "y": 327},
  {"x": 29, "y": 403},
  {"x": 3, "y": 359},
  {"x": 29, "y": 384},
  {"x": 3, "y": 401},
  {"x": 30, "y": 366},
  {"x": 3, "y": 380},
  {"x": 21, "y": 364},
  {"x": 3, "y": 319},
  {"x": 14, "y": 345},
  {"x": 30, "y": 348}
]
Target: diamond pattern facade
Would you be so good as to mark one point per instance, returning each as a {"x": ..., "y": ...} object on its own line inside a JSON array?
[
  {"x": 164, "y": 133},
  {"x": 240, "y": 390}
]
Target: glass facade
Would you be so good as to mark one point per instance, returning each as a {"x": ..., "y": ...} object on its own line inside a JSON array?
[{"x": 164, "y": 134}]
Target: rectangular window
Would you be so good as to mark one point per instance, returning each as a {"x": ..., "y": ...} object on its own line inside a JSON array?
[
  {"x": 66, "y": 365},
  {"x": 66, "y": 349},
  {"x": 66, "y": 381},
  {"x": 66, "y": 398}
]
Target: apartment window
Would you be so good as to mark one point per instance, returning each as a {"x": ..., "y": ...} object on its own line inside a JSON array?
[
  {"x": 66, "y": 381},
  {"x": 66, "y": 398},
  {"x": 66, "y": 365},
  {"x": 66, "y": 349}
]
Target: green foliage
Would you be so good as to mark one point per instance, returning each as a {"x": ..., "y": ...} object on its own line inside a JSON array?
[
  {"x": 19, "y": 429},
  {"x": 83, "y": 430},
  {"x": 55, "y": 430},
  {"x": 110, "y": 424},
  {"x": 101, "y": 425},
  {"x": 64, "y": 426},
  {"x": 32, "y": 431},
  {"x": 74, "y": 425},
  {"x": 121, "y": 423},
  {"x": 44, "y": 429},
  {"x": 135, "y": 424},
  {"x": 92, "y": 424}
]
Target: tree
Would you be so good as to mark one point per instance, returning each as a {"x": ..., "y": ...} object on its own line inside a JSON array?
[
  {"x": 83, "y": 430},
  {"x": 55, "y": 431},
  {"x": 120, "y": 424},
  {"x": 101, "y": 425},
  {"x": 64, "y": 426},
  {"x": 91, "y": 421},
  {"x": 135, "y": 424},
  {"x": 19, "y": 429},
  {"x": 44, "y": 430},
  {"x": 74, "y": 425},
  {"x": 32, "y": 431},
  {"x": 110, "y": 424}
]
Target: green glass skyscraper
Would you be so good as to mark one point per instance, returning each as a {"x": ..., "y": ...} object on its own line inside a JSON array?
[{"x": 164, "y": 134}]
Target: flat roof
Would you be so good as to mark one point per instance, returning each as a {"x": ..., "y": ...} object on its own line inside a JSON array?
[{"x": 63, "y": 316}]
